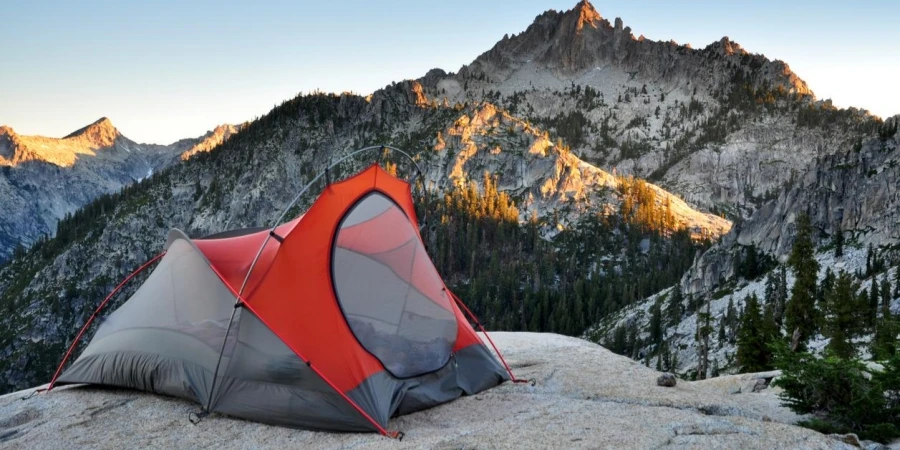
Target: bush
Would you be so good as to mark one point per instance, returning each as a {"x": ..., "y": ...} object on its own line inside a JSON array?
[{"x": 843, "y": 394}]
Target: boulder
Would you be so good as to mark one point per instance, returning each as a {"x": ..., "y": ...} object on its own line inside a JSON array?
[{"x": 666, "y": 380}]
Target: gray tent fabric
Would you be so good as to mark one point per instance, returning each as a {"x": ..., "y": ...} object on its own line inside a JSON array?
[
  {"x": 170, "y": 335},
  {"x": 265, "y": 381},
  {"x": 166, "y": 337}
]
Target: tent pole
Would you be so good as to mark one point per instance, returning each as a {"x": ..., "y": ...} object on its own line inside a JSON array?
[
  {"x": 94, "y": 315},
  {"x": 238, "y": 302},
  {"x": 342, "y": 159}
]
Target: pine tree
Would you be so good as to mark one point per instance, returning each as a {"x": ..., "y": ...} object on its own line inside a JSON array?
[
  {"x": 632, "y": 343},
  {"x": 754, "y": 336},
  {"x": 659, "y": 366},
  {"x": 675, "y": 307},
  {"x": 869, "y": 255},
  {"x": 825, "y": 288},
  {"x": 721, "y": 336},
  {"x": 874, "y": 297},
  {"x": 19, "y": 251},
  {"x": 884, "y": 342},
  {"x": 769, "y": 317},
  {"x": 732, "y": 318},
  {"x": 618, "y": 341},
  {"x": 800, "y": 313},
  {"x": 704, "y": 329},
  {"x": 780, "y": 298},
  {"x": 749, "y": 267},
  {"x": 897, "y": 282},
  {"x": 656, "y": 326},
  {"x": 862, "y": 307},
  {"x": 838, "y": 241},
  {"x": 841, "y": 325},
  {"x": 771, "y": 289}
]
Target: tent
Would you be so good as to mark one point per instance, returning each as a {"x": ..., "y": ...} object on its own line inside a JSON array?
[{"x": 336, "y": 320}]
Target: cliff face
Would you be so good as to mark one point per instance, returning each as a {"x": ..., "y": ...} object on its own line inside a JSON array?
[
  {"x": 42, "y": 179},
  {"x": 856, "y": 191}
]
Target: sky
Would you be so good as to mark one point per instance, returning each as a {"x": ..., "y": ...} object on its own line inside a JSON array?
[{"x": 171, "y": 69}]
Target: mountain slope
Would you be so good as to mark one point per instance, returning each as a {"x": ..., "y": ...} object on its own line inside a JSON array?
[
  {"x": 542, "y": 175},
  {"x": 853, "y": 191},
  {"x": 721, "y": 127},
  {"x": 43, "y": 179}
]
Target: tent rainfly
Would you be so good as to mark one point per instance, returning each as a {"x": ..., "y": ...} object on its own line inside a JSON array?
[{"x": 336, "y": 320}]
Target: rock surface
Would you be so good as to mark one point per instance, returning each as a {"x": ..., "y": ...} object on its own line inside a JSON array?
[
  {"x": 855, "y": 191},
  {"x": 586, "y": 397}
]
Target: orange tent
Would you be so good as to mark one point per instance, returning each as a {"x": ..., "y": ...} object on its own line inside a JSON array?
[{"x": 336, "y": 320}]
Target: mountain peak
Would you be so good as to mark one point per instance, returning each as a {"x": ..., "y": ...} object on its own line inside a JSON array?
[
  {"x": 726, "y": 47},
  {"x": 8, "y": 144},
  {"x": 586, "y": 15},
  {"x": 102, "y": 132}
]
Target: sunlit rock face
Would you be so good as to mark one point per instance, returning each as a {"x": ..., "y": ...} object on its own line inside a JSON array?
[{"x": 545, "y": 176}]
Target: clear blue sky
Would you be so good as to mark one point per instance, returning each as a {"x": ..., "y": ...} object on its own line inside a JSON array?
[{"x": 169, "y": 69}]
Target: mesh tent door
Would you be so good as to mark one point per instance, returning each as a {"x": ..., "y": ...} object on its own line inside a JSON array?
[{"x": 389, "y": 291}]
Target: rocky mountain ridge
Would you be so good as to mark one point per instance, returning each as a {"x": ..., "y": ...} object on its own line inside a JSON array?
[
  {"x": 542, "y": 175},
  {"x": 43, "y": 179},
  {"x": 719, "y": 126}
]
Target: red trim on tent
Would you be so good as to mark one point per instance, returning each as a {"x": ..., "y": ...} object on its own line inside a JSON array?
[{"x": 94, "y": 315}]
